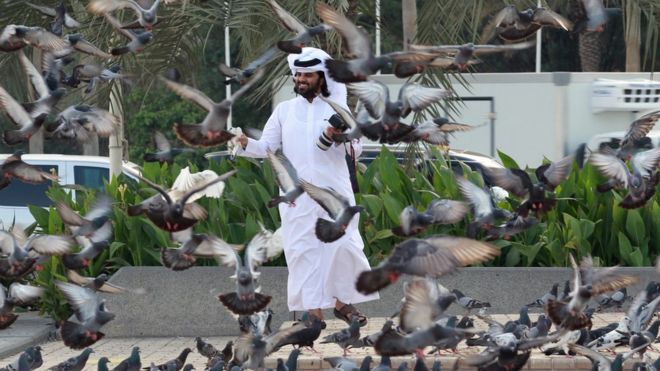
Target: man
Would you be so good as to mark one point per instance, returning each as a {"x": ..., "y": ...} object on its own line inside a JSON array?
[{"x": 321, "y": 275}]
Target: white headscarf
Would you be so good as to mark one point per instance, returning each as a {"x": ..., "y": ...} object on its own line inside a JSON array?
[{"x": 313, "y": 60}]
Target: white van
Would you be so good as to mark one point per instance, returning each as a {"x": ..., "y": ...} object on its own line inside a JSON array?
[{"x": 88, "y": 171}]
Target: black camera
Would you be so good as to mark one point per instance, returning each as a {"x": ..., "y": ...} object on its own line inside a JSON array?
[{"x": 338, "y": 123}]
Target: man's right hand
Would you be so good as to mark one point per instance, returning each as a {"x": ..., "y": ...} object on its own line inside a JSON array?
[{"x": 243, "y": 140}]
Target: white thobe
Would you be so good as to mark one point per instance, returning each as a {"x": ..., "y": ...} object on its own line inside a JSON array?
[{"x": 319, "y": 273}]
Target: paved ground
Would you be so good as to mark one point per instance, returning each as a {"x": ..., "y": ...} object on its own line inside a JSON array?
[{"x": 159, "y": 350}]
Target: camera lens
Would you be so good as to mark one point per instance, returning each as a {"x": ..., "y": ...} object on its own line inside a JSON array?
[{"x": 323, "y": 142}]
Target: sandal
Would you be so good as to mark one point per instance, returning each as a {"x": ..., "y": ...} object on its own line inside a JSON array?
[{"x": 347, "y": 312}]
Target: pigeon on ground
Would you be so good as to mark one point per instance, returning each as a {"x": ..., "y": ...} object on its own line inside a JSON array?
[
  {"x": 432, "y": 257},
  {"x": 179, "y": 361},
  {"x": 291, "y": 362},
  {"x": 287, "y": 179},
  {"x": 303, "y": 33},
  {"x": 164, "y": 150},
  {"x": 206, "y": 349},
  {"x": 212, "y": 130},
  {"x": 90, "y": 312},
  {"x": 469, "y": 303},
  {"x": 364, "y": 62},
  {"x": 308, "y": 332},
  {"x": 616, "y": 299},
  {"x": 341, "y": 363},
  {"x": 600, "y": 362},
  {"x": 132, "y": 363},
  {"x": 338, "y": 208},
  {"x": 439, "y": 211},
  {"x": 346, "y": 337},
  {"x": 543, "y": 300},
  {"x": 74, "y": 363}
]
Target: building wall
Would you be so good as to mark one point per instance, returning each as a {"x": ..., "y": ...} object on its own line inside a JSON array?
[{"x": 535, "y": 114}]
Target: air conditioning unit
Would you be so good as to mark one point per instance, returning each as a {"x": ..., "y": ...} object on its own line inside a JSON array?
[{"x": 619, "y": 95}]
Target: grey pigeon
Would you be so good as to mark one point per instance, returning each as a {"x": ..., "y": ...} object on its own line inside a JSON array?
[
  {"x": 25, "y": 253},
  {"x": 432, "y": 257},
  {"x": 99, "y": 283},
  {"x": 17, "y": 295},
  {"x": 96, "y": 217},
  {"x": 78, "y": 122},
  {"x": 600, "y": 362},
  {"x": 435, "y": 131},
  {"x": 164, "y": 150},
  {"x": 341, "y": 363},
  {"x": 92, "y": 246},
  {"x": 175, "y": 364},
  {"x": 463, "y": 54},
  {"x": 242, "y": 76},
  {"x": 469, "y": 303},
  {"x": 132, "y": 363},
  {"x": 346, "y": 337},
  {"x": 616, "y": 299},
  {"x": 147, "y": 18},
  {"x": 246, "y": 299},
  {"x": 15, "y": 167},
  {"x": 90, "y": 312},
  {"x": 193, "y": 246},
  {"x": 136, "y": 43},
  {"x": 338, "y": 208},
  {"x": 364, "y": 62},
  {"x": 212, "y": 130},
  {"x": 586, "y": 283},
  {"x": 15, "y": 37},
  {"x": 103, "y": 364},
  {"x": 287, "y": 179},
  {"x": 513, "y": 25},
  {"x": 28, "y": 125},
  {"x": 74, "y": 363},
  {"x": 593, "y": 15},
  {"x": 637, "y": 131},
  {"x": 485, "y": 211},
  {"x": 303, "y": 33},
  {"x": 439, "y": 211},
  {"x": 206, "y": 349},
  {"x": 61, "y": 17}
]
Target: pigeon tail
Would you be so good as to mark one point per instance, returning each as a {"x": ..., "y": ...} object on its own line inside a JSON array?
[
  {"x": 407, "y": 69},
  {"x": 371, "y": 281},
  {"x": 175, "y": 260},
  {"x": 289, "y": 46},
  {"x": 120, "y": 51},
  {"x": 564, "y": 318},
  {"x": 630, "y": 202},
  {"x": 134, "y": 210},
  {"x": 604, "y": 187},
  {"x": 13, "y": 137},
  {"x": 276, "y": 201},
  {"x": 70, "y": 261},
  {"x": 6, "y": 320},
  {"x": 76, "y": 336},
  {"x": 245, "y": 307},
  {"x": 328, "y": 231},
  {"x": 151, "y": 157},
  {"x": 192, "y": 135},
  {"x": 341, "y": 72}
]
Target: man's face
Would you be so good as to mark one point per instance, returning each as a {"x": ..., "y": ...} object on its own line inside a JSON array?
[{"x": 307, "y": 84}]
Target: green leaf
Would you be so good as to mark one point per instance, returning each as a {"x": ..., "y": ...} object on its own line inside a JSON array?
[
  {"x": 636, "y": 258},
  {"x": 512, "y": 258},
  {"x": 625, "y": 248},
  {"x": 507, "y": 161},
  {"x": 635, "y": 227},
  {"x": 40, "y": 214},
  {"x": 393, "y": 207},
  {"x": 373, "y": 203},
  {"x": 382, "y": 234}
]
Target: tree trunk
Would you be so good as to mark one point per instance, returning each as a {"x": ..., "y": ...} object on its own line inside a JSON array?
[
  {"x": 590, "y": 51},
  {"x": 409, "y": 17},
  {"x": 36, "y": 142},
  {"x": 632, "y": 33}
]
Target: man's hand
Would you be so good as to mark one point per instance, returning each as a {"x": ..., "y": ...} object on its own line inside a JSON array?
[
  {"x": 331, "y": 131},
  {"x": 239, "y": 140}
]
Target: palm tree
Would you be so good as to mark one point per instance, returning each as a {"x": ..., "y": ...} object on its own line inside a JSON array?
[{"x": 175, "y": 44}]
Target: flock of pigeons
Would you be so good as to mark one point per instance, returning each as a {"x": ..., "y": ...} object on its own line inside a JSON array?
[{"x": 422, "y": 322}]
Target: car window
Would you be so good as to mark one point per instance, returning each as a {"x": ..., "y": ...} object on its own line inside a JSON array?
[
  {"x": 22, "y": 194},
  {"x": 90, "y": 176}
]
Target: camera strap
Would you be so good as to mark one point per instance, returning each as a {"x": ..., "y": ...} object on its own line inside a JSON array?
[{"x": 351, "y": 162}]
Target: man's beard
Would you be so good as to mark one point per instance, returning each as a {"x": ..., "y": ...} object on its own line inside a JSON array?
[{"x": 309, "y": 92}]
